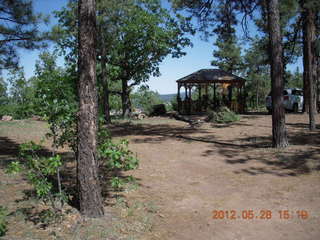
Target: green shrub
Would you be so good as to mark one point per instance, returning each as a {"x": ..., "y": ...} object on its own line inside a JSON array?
[
  {"x": 39, "y": 170},
  {"x": 3, "y": 222},
  {"x": 223, "y": 115},
  {"x": 115, "y": 155}
]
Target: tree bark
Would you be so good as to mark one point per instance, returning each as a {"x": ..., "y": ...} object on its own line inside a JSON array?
[
  {"x": 126, "y": 103},
  {"x": 306, "y": 84},
  {"x": 279, "y": 133},
  {"x": 257, "y": 95},
  {"x": 90, "y": 198},
  {"x": 309, "y": 62}
]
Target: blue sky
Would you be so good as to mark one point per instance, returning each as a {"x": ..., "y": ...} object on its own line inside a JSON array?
[{"x": 198, "y": 57}]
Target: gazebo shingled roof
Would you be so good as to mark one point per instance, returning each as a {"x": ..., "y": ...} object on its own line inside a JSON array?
[{"x": 211, "y": 76}]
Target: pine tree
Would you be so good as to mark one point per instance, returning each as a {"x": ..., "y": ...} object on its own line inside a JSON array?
[
  {"x": 228, "y": 54},
  {"x": 279, "y": 134},
  {"x": 309, "y": 57},
  {"x": 18, "y": 29},
  {"x": 87, "y": 173}
]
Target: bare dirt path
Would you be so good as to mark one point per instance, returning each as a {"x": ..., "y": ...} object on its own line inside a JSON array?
[
  {"x": 189, "y": 173},
  {"x": 185, "y": 175}
]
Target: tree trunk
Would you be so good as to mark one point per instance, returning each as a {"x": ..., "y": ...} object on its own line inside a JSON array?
[
  {"x": 309, "y": 61},
  {"x": 318, "y": 82},
  {"x": 279, "y": 134},
  {"x": 306, "y": 84},
  {"x": 90, "y": 198},
  {"x": 106, "y": 105},
  {"x": 257, "y": 95},
  {"x": 126, "y": 103}
]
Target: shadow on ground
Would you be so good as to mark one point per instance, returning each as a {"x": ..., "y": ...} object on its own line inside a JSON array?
[{"x": 255, "y": 155}]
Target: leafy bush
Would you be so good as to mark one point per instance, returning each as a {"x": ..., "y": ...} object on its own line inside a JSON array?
[
  {"x": 39, "y": 170},
  {"x": 3, "y": 222},
  {"x": 115, "y": 155},
  {"x": 222, "y": 115},
  {"x": 118, "y": 183}
]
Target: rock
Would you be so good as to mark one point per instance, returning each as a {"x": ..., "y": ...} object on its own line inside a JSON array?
[
  {"x": 6, "y": 118},
  {"x": 159, "y": 109},
  {"x": 138, "y": 116},
  {"x": 36, "y": 118},
  {"x": 142, "y": 116}
]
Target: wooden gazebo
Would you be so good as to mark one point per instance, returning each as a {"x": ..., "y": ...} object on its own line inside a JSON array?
[{"x": 205, "y": 78}]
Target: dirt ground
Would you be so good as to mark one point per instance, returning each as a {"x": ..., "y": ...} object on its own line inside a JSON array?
[{"x": 191, "y": 175}]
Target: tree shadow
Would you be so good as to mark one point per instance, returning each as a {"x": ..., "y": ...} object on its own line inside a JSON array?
[
  {"x": 8, "y": 152},
  {"x": 301, "y": 157},
  {"x": 153, "y": 133}
]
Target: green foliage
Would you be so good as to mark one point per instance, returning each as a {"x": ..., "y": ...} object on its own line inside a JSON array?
[
  {"x": 223, "y": 115},
  {"x": 3, "y": 93},
  {"x": 145, "y": 99},
  {"x": 118, "y": 183},
  {"x": 295, "y": 79},
  {"x": 3, "y": 222},
  {"x": 14, "y": 167},
  {"x": 19, "y": 102},
  {"x": 228, "y": 55},
  {"x": 141, "y": 33},
  {"x": 39, "y": 170},
  {"x": 56, "y": 99},
  {"x": 19, "y": 29},
  {"x": 172, "y": 105},
  {"x": 115, "y": 155},
  {"x": 256, "y": 70}
]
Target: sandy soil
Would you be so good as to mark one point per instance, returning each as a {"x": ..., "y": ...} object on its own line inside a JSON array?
[{"x": 190, "y": 173}]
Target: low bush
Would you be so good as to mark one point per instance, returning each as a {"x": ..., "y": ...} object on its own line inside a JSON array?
[
  {"x": 3, "y": 222},
  {"x": 115, "y": 156},
  {"x": 223, "y": 115},
  {"x": 40, "y": 171}
]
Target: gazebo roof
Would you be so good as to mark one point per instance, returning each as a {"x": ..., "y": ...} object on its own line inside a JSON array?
[{"x": 207, "y": 76}]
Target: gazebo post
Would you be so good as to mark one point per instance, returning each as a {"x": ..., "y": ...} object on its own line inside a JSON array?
[
  {"x": 230, "y": 93},
  {"x": 190, "y": 100},
  {"x": 179, "y": 98},
  {"x": 214, "y": 95},
  {"x": 200, "y": 98},
  {"x": 206, "y": 97},
  {"x": 185, "y": 98},
  {"x": 186, "y": 92}
]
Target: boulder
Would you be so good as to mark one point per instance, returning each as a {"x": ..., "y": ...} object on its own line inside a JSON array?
[
  {"x": 6, "y": 118},
  {"x": 142, "y": 116},
  {"x": 159, "y": 109},
  {"x": 138, "y": 116}
]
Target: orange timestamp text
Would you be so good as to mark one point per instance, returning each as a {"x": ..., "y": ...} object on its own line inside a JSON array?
[{"x": 263, "y": 214}]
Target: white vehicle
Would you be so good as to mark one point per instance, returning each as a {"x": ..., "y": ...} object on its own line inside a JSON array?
[{"x": 292, "y": 100}]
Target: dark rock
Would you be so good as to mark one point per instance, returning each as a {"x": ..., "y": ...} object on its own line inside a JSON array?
[{"x": 159, "y": 109}]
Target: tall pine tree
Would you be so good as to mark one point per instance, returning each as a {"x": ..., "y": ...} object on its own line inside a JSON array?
[
  {"x": 228, "y": 55},
  {"x": 87, "y": 173}
]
